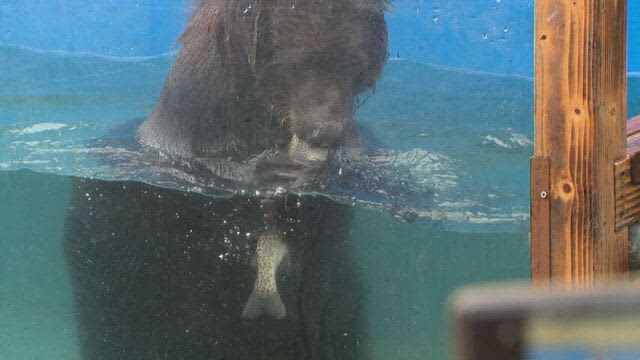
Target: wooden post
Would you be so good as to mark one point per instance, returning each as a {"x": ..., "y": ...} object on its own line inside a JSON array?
[{"x": 580, "y": 109}]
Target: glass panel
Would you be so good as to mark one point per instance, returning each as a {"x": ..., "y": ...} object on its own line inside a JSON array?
[{"x": 290, "y": 179}]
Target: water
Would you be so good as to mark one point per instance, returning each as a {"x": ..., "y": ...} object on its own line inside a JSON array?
[
  {"x": 405, "y": 281},
  {"x": 463, "y": 138},
  {"x": 61, "y": 110}
]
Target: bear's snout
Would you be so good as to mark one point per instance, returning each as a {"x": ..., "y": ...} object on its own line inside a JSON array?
[{"x": 320, "y": 112}]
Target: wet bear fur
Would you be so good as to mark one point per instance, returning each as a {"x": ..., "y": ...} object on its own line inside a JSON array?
[{"x": 250, "y": 76}]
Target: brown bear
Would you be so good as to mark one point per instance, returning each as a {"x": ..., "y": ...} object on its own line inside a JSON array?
[
  {"x": 165, "y": 274},
  {"x": 261, "y": 93}
]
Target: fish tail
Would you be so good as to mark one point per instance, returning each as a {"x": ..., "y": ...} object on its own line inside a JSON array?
[{"x": 270, "y": 305}]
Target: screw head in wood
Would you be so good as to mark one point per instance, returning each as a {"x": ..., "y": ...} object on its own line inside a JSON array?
[{"x": 543, "y": 194}]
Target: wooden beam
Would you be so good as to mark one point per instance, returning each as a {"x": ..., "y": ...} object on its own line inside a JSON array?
[
  {"x": 580, "y": 108},
  {"x": 627, "y": 178},
  {"x": 633, "y": 147},
  {"x": 540, "y": 249}
]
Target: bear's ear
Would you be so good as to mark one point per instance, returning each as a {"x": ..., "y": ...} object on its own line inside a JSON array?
[{"x": 261, "y": 46}]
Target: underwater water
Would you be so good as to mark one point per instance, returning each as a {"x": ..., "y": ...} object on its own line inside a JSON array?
[
  {"x": 406, "y": 281},
  {"x": 464, "y": 138}
]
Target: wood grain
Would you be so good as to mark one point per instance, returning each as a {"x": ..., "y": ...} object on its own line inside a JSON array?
[
  {"x": 627, "y": 178},
  {"x": 627, "y": 195},
  {"x": 633, "y": 126},
  {"x": 633, "y": 148},
  {"x": 580, "y": 104},
  {"x": 540, "y": 249}
]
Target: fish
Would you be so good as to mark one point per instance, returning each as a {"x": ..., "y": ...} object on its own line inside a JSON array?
[
  {"x": 265, "y": 299},
  {"x": 302, "y": 151}
]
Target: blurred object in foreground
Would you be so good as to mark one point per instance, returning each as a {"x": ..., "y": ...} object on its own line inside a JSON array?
[{"x": 519, "y": 322}]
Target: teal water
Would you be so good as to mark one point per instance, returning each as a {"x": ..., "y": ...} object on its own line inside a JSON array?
[
  {"x": 406, "y": 281},
  {"x": 465, "y": 138},
  {"x": 36, "y": 310}
]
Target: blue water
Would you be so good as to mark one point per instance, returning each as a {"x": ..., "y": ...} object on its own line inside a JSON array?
[
  {"x": 56, "y": 105},
  {"x": 464, "y": 139},
  {"x": 486, "y": 35}
]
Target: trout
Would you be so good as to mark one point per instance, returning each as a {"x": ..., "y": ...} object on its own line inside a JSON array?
[{"x": 264, "y": 299}]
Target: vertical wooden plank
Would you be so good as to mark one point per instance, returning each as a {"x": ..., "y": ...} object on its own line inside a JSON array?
[
  {"x": 580, "y": 104},
  {"x": 540, "y": 231}
]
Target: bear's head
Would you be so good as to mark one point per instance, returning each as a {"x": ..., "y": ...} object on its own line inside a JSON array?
[
  {"x": 312, "y": 58},
  {"x": 260, "y": 75}
]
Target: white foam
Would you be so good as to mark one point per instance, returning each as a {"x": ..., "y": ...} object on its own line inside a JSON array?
[
  {"x": 427, "y": 169},
  {"x": 490, "y": 139},
  {"x": 108, "y": 150},
  {"x": 459, "y": 204},
  {"x": 34, "y": 143},
  {"x": 472, "y": 217},
  {"x": 520, "y": 139},
  {"x": 513, "y": 140},
  {"x": 33, "y": 162},
  {"x": 37, "y": 128}
]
